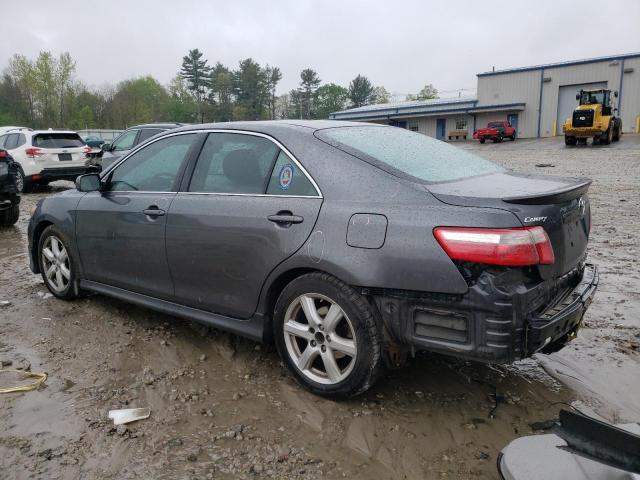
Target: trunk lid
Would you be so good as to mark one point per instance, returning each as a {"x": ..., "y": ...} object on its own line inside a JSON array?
[{"x": 559, "y": 204}]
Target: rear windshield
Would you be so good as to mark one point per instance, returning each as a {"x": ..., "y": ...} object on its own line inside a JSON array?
[
  {"x": 495, "y": 124},
  {"x": 57, "y": 140},
  {"x": 404, "y": 153}
]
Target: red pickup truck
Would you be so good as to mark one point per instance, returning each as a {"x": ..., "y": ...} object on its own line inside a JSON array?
[{"x": 495, "y": 131}]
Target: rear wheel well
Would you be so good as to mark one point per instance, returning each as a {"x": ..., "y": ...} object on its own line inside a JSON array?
[
  {"x": 37, "y": 232},
  {"x": 274, "y": 291}
]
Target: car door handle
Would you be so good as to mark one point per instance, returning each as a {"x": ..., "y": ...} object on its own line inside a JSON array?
[
  {"x": 154, "y": 211},
  {"x": 285, "y": 218}
]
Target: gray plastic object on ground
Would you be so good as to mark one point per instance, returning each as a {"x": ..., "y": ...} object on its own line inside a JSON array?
[{"x": 538, "y": 457}]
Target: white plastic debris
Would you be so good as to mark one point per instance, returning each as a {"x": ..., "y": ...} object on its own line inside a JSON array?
[{"x": 128, "y": 415}]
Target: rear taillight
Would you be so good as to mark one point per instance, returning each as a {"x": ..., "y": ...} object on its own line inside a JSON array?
[
  {"x": 87, "y": 150},
  {"x": 497, "y": 246},
  {"x": 33, "y": 152},
  {"x": 3, "y": 154}
]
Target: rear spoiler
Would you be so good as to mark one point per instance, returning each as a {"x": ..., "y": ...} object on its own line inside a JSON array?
[{"x": 554, "y": 196}]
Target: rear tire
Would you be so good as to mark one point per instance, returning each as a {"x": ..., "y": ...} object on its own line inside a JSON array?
[
  {"x": 57, "y": 264},
  {"x": 328, "y": 336},
  {"x": 21, "y": 182},
  {"x": 10, "y": 216},
  {"x": 513, "y": 137},
  {"x": 482, "y": 140},
  {"x": 569, "y": 140}
]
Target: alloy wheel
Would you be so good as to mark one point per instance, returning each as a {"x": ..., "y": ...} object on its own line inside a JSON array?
[
  {"x": 20, "y": 181},
  {"x": 56, "y": 265},
  {"x": 320, "y": 339}
]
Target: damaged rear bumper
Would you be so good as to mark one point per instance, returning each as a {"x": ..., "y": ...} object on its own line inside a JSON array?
[
  {"x": 558, "y": 322},
  {"x": 497, "y": 320}
]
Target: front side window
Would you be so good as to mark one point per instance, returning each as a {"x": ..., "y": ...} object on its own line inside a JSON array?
[
  {"x": 125, "y": 141},
  {"x": 288, "y": 179},
  {"x": 234, "y": 163},
  {"x": 408, "y": 154},
  {"x": 154, "y": 168}
]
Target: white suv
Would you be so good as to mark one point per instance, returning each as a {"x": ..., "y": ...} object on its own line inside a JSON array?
[{"x": 46, "y": 155}]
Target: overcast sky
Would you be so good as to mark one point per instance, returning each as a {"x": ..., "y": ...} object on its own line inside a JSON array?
[{"x": 400, "y": 44}]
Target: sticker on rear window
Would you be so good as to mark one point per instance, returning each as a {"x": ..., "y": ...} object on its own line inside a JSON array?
[{"x": 286, "y": 176}]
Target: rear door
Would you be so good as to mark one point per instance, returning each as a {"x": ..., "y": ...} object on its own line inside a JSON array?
[
  {"x": 120, "y": 232},
  {"x": 247, "y": 207}
]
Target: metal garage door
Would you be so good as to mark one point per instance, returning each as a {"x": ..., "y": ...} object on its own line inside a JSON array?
[{"x": 567, "y": 101}]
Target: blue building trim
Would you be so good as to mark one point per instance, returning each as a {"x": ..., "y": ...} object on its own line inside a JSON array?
[
  {"x": 620, "y": 88},
  {"x": 474, "y": 109},
  {"x": 561, "y": 64},
  {"x": 540, "y": 100},
  {"x": 397, "y": 109}
]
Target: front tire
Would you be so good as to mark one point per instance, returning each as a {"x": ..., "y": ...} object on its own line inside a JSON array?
[
  {"x": 328, "y": 336},
  {"x": 570, "y": 141},
  {"x": 57, "y": 265},
  {"x": 607, "y": 136},
  {"x": 482, "y": 140}
]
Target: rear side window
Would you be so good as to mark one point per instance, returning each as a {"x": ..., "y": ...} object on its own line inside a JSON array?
[
  {"x": 146, "y": 133},
  {"x": 57, "y": 140},
  {"x": 21, "y": 139},
  {"x": 2, "y": 140},
  {"x": 234, "y": 163},
  {"x": 11, "y": 141},
  {"x": 288, "y": 179},
  {"x": 408, "y": 154}
]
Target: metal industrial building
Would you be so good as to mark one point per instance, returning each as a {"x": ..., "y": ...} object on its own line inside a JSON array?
[{"x": 536, "y": 100}]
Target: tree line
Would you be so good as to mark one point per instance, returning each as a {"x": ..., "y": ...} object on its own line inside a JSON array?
[{"x": 44, "y": 92}]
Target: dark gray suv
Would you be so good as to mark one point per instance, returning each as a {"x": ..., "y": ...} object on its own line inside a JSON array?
[{"x": 350, "y": 245}]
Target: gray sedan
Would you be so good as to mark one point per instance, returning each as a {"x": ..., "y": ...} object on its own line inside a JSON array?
[{"x": 351, "y": 246}]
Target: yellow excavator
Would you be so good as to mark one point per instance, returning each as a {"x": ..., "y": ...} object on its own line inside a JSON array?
[{"x": 594, "y": 117}]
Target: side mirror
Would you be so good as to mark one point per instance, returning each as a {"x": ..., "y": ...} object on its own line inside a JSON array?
[
  {"x": 105, "y": 147},
  {"x": 88, "y": 183},
  {"x": 577, "y": 96},
  {"x": 615, "y": 94}
]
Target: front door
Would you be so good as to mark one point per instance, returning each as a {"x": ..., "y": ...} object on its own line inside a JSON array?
[
  {"x": 441, "y": 128},
  {"x": 247, "y": 208},
  {"x": 120, "y": 231}
]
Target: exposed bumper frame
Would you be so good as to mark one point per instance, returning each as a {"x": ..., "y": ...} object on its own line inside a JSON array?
[{"x": 497, "y": 320}]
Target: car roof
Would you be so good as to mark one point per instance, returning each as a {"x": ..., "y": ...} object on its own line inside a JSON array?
[
  {"x": 36, "y": 132},
  {"x": 158, "y": 125},
  {"x": 267, "y": 126}
]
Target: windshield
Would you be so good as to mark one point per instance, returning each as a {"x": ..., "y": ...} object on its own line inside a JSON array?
[
  {"x": 405, "y": 153},
  {"x": 589, "y": 98},
  {"x": 57, "y": 140}
]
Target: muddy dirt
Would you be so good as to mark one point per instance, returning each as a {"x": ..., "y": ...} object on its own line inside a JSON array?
[{"x": 223, "y": 407}]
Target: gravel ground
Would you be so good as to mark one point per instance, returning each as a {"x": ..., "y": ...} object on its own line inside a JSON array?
[{"x": 223, "y": 407}]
